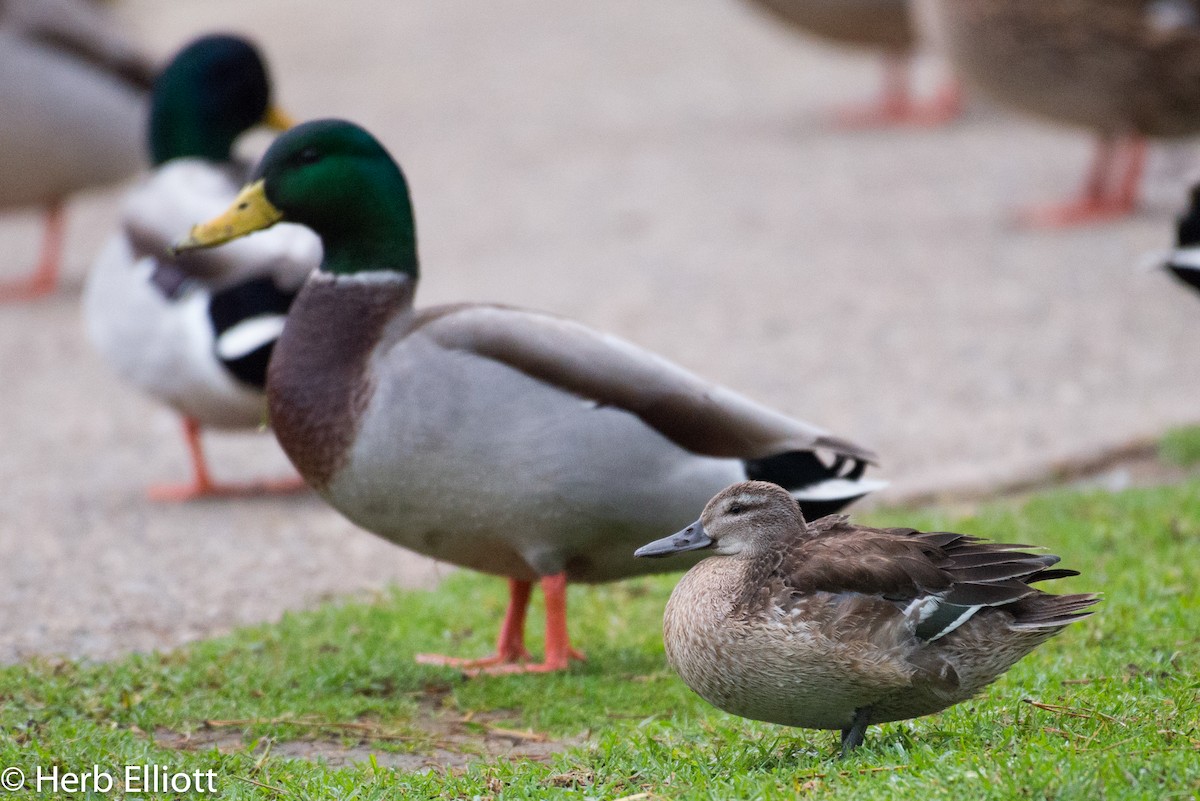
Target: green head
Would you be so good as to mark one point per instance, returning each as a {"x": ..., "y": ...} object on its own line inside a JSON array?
[
  {"x": 214, "y": 90},
  {"x": 335, "y": 178}
]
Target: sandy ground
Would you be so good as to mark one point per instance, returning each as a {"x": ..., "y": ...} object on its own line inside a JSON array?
[{"x": 661, "y": 170}]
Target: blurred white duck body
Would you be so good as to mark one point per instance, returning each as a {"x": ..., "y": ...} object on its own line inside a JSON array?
[
  {"x": 157, "y": 331},
  {"x": 196, "y": 331}
]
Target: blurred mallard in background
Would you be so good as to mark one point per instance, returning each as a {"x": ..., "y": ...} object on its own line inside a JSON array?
[
  {"x": 1123, "y": 69},
  {"x": 196, "y": 331},
  {"x": 882, "y": 26},
  {"x": 73, "y": 93}
]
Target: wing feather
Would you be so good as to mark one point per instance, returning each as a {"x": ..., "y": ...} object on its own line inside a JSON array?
[{"x": 701, "y": 417}]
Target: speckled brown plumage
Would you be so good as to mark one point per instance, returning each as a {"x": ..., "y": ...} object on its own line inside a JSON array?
[{"x": 826, "y": 624}]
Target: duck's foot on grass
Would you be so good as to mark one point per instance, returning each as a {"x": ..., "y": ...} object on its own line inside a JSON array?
[
  {"x": 853, "y": 736},
  {"x": 511, "y": 655},
  {"x": 552, "y": 664},
  {"x": 500, "y": 664}
]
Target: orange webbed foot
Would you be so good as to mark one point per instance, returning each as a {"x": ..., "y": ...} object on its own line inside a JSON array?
[
  {"x": 474, "y": 665},
  {"x": 550, "y": 665}
]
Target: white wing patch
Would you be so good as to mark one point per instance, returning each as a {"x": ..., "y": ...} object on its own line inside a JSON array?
[
  {"x": 921, "y": 608},
  {"x": 1188, "y": 257},
  {"x": 958, "y": 621},
  {"x": 249, "y": 335},
  {"x": 837, "y": 488}
]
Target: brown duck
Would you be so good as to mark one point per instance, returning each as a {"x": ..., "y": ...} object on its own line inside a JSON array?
[
  {"x": 831, "y": 625},
  {"x": 1123, "y": 69}
]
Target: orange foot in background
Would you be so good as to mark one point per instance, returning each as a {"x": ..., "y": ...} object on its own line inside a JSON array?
[
  {"x": 1109, "y": 193},
  {"x": 202, "y": 484},
  {"x": 896, "y": 107},
  {"x": 45, "y": 277},
  {"x": 511, "y": 655},
  {"x": 199, "y": 489}
]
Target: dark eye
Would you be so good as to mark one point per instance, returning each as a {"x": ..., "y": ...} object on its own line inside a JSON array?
[
  {"x": 736, "y": 509},
  {"x": 309, "y": 155}
]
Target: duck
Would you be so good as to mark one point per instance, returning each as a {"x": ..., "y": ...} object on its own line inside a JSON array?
[
  {"x": 74, "y": 90},
  {"x": 1184, "y": 261},
  {"x": 1124, "y": 70},
  {"x": 510, "y": 442},
  {"x": 195, "y": 331},
  {"x": 881, "y": 26},
  {"x": 834, "y": 625}
]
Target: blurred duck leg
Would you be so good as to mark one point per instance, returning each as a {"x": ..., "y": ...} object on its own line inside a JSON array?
[
  {"x": 44, "y": 278},
  {"x": 202, "y": 484},
  {"x": 1110, "y": 190},
  {"x": 897, "y": 106}
]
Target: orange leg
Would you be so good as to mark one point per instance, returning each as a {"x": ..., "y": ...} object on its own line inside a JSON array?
[
  {"x": 896, "y": 105},
  {"x": 510, "y": 651},
  {"x": 45, "y": 276},
  {"x": 510, "y": 648},
  {"x": 559, "y": 652},
  {"x": 202, "y": 484},
  {"x": 1110, "y": 190}
]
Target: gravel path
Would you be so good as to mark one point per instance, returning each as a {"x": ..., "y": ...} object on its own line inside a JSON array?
[{"x": 661, "y": 170}]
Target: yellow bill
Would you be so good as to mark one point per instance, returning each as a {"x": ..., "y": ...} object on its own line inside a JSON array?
[
  {"x": 250, "y": 212},
  {"x": 277, "y": 119}
]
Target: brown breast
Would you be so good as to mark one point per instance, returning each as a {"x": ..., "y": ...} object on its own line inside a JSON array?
[{"x": 318, "y": 383}]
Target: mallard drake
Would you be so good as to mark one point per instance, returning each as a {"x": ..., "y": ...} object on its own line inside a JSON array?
[
  {"x": 1184, "y": 261},
  {"x": 507, "y": 441},
  {"x": 73, "y": 92},
  {"x": 196, "y": 331},
  {"x": 881, "y": 26},
  {"x": 832, "y": 625},
  {"x": 1124, "y": 69}
]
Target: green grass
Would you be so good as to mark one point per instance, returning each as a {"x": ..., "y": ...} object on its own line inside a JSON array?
[
  {"x": 1181, "y": 446},
  {"x": 1117, "y": 718}
]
